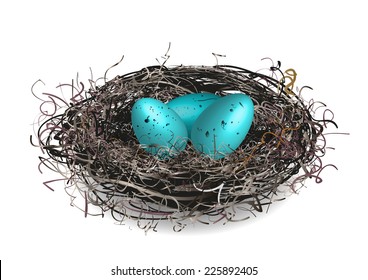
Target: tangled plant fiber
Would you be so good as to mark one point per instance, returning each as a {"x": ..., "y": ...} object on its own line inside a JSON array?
[{"x": 90, "y": 142}]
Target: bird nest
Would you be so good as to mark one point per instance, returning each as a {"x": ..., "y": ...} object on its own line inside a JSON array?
[{"x": 89, "y": 140}]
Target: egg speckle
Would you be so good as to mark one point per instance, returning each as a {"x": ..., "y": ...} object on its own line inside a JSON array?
[{"x": 158, "y": 129}]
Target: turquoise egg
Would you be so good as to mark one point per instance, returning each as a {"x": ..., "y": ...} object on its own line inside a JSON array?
[
  {"x": 190, "y": 106},
  {"x": 222, "y": 127},
  {"x": 158, "y": 129}
]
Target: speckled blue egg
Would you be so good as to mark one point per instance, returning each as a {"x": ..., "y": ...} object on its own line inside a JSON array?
[
  {"x": 223, "y": 126},
  {"x": 189, "y": 107},
  {"x": 158, "y": 129}
]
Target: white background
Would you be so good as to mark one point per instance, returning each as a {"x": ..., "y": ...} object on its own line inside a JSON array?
[{"x": 319, "y": 234}]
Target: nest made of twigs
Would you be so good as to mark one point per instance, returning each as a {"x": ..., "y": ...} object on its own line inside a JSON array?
[{"x": 94, "y": 139}]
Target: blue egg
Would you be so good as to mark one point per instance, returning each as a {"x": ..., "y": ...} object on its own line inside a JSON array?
[
  {"x": 158, "y": 129},
  {"x": 222, "y": 127},
  {"x": 190, "y": 106}
]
